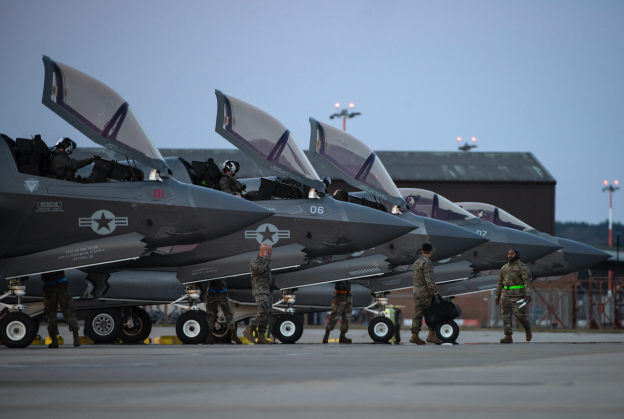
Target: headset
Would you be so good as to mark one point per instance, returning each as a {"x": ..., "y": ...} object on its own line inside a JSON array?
[
  {"x": 232, "y": 166},
  {"x": 66, "y": 143},
  {"x": 517, "y": 253}
]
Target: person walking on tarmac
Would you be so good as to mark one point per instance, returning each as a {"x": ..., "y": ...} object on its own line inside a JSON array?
[
  {"x": 216, "y": 297},
  {"x": 341, "y": 310},
  {"x": 261, "y": 289},
  {"x": 56, "y": 292},
  {"x": 424, "y": 291},
  {"x": 61, "y": 165},
  {"x": 513, "y": 292},
  {"x": 227, "y": 183}
]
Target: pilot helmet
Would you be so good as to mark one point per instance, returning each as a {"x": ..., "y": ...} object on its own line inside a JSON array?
[
  {"x": 66, "y": 143},
  {"x": 326, "y": 180},
  {"x": 232, "y": 166}
]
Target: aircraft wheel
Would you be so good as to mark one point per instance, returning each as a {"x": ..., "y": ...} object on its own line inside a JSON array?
[
  {"x": 17, "y": 330},
  {"x": 192, "y": 327},
  {"x": 221, "y": 333},
  {"x": 381, "y": 329},
  {"x": 288, "y": 328},
  {"x": 103, "y": 325},
  {"x": 447, "y": 332},
  {"x": 142, "y": 327}
]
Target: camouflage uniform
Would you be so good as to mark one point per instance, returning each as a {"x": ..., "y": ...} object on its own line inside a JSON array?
[
  {"x": 341, "y": 307},
  {"x": 64, "y": 167},
  {"x": 514, "y": 283},
  {"x": 216, "y": 297},
  {"x": 261, "y": 290},
  {"x": 56, "y": 292},
  {"x": 228, "y": 184},
  {"x": 424, "y": 289}
]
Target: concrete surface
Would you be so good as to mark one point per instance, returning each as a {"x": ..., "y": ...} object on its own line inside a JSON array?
[{"x": 554, "y": 380}]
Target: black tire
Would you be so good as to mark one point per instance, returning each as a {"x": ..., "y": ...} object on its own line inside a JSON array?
[
  {"x": 381, "y": 329},
  {"x": 192, "y": 327},
  {"x": 142, "y": 327},
  {"x": 221, "y": 333},
  {"x": 288, "y": 328},
  {"x": 17, "y": 330},
  {"x": 447, "y": 332},
  {"x": 35, "y": 321},
  {"x": 103, "y": 325}
]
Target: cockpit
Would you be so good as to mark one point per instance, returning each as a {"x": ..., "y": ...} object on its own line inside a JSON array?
[
  {"x": 495, "y": 215},
  {"x": 431, "y": 205}
]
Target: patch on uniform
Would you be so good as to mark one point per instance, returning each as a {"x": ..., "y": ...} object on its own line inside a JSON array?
[
  {"x": 103, "y": 222},
  {"x": 267, "y": 233}
]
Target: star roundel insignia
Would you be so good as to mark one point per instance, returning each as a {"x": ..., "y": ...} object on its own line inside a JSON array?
[{"x": 267, "y": 233}]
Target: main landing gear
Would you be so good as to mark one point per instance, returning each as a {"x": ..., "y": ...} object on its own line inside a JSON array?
[
  {"x": 17, "y": 329},
  {"x": 192, "y": 326},
  {"x": 287, "y": 328},
  {"x": 381, "y": 328}
]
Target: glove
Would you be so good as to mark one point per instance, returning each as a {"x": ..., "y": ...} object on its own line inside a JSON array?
[
  {"x": 497, "y": 302},
  {"x": 527, "y": 299}
]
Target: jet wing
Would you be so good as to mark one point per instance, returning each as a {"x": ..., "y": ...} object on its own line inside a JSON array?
[
  {"x": 98, "y": 112},
  {"x": 352, "y": 160},
  {"x": 290, "y": 256},
  {"x": 264, "y": 139},
  {"x": 78, "y": 255},
  {"x": 370, "y": 266}
]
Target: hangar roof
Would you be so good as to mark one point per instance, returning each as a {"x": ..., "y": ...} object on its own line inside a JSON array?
[{"x": 402, "y": 165}]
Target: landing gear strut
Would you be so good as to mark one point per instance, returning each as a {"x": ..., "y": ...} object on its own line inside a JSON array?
[
  {"x": 192, "y": 326},
  {"x": 381, "y": 328},
  {"x": 17, "y": 329},
  {"x": 288, "y": 328}
]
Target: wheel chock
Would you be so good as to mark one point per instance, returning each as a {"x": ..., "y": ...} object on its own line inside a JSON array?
[
  {"x": 37, "y": 341},
  {"x": 60, "y": 340},
  {"x": 147, "y": 341},
  {"x": 86, "y": 340},
  {"x": 245, "y": 340},
  {"x": 333, "y": 340},
  {"x": 168, "y": 340}
]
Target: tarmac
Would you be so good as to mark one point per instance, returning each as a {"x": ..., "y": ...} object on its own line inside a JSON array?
[{"x": 582, "y": 377}]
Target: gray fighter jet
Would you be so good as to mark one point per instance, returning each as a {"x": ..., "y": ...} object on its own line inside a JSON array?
[{"x": 50, "y": 224}]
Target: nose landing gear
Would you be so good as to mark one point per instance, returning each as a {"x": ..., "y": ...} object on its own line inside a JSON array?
[
  {"x": 288, "y": 328},
  {"x": 381, "y": 328},
  {"x": 192, "y": 326},
  {"x": 17, "y": 329}
]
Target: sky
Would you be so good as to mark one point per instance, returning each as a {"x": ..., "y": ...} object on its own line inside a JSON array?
[{"x": 539, "y": 76}]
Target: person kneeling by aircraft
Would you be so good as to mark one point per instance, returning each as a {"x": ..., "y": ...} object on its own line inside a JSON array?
[
  {"x": 424, "y": 291},
  {"x": 513, "y": 292}
]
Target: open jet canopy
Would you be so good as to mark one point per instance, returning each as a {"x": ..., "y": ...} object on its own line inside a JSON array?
[
  {"x": 264, "y": 139},
  {"x": 431, "y": 205},
  {"x": 355, "y": 162},
  {"x": 98, "y": 112},
  {"x": 495, "y": 215}
]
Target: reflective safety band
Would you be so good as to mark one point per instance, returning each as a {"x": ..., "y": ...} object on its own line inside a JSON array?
[
  {"x": 514, "y": 287},
  {"x": 55, "y": 282},
  {"x": 342, "y": 292},
  {"x": 217, "y": 291}
]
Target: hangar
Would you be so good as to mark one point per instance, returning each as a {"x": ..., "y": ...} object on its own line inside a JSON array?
[{"x": 516, "y": 182}]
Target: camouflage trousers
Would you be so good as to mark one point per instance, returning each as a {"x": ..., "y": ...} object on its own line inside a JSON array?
[
  {"x": 421, "y": 303},
  {"x": 261, "y": 321},
  {"x": 341, "y": 310},
  {"x": 213, "y": 302},
  {"x": 53, "y": 296},
  {"x": 509, "y": 307}
]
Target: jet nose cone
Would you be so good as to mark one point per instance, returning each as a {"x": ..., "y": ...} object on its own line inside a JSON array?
[
  {"x": 449, "y": 240},
  {"x": 530, "y": 246},
  {"x": 580, "y": 256},
  {"x": 372, "y": 227}
]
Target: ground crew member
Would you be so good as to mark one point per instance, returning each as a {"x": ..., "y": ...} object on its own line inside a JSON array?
[
  {"x": 56, "y": 292},
  {"x": 341, "y": 310},
  {"x": 514, "y": 284},
  {"x": 216, "y": 297},
  {"x": 424, "y": 291},
  {"x": 261, "y": 289},
  {"x": 61, "y": 165},
  {"x": 227, "y": 183}
]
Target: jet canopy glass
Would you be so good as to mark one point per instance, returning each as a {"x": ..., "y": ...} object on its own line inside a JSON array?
[
  {"x": 357, "y": 163},
  {"x": 495, "y": 215},
  {"x": 431, "y": 205},
  {"x": 98, "y": 112},
  {"x": 264, "y": 139}
]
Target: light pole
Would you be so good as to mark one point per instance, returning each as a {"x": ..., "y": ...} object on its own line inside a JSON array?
[
  {"x": 611, "y": 189},
  {"x": 344, "y": 114},
  {"x": 466, "y": 147}
]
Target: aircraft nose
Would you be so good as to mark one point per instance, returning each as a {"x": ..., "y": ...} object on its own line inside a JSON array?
[
  {"x": 530, "y": 246},
  {"x": 372, "y": 227},
  {"x": 450, "y": 240},
  {"x": 581, "y": 256}
]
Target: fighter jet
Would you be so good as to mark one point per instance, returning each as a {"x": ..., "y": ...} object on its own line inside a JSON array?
[
  {"x": 360, "y": 167},
  {"x": 114, "y": 215}
]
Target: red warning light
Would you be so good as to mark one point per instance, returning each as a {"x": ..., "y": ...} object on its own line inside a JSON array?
[
  {"x": 458, "y": 138},
  {"x": 474, "y": 139},
  {"x": 351, "y": 105},
  {"x": 617, "y": 183},
  {"x": 337, "y": 105},
  {"x": 606, "y": 183}
]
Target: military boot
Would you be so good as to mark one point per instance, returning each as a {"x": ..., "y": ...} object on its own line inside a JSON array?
[
  {"x": 235, "y": 338},
  {"x": 506, "y": 339},
  {"x": 432, "y": 338},
  {"x": 262, "y": 340},
  {"x": 343, "y": 338},
  {"x": 248, "y": 333},
  {"x": 209, "y": 339},
  {"x": 418, "y": 341},
  {"x": 326, "y": 337},
  {"x": 76, "y": 340},
  {"x": 529, "y": 335},
  {"x": 54, "y": 343}
]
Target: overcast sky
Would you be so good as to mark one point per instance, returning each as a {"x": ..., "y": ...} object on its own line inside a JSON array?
[{"x": 539, "y": 76}]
